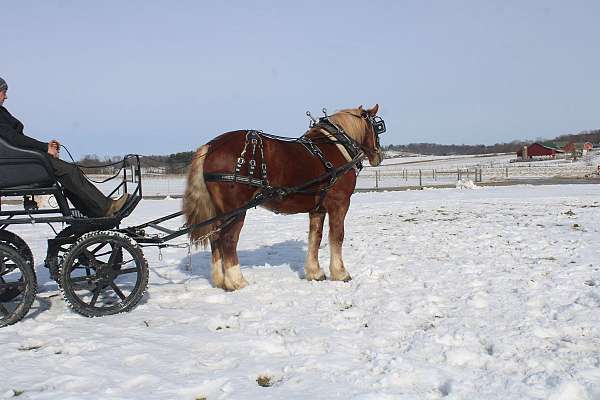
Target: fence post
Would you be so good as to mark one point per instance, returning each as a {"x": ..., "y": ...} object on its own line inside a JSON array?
[
  {"x": 507, "y": 172},
  {"x": 376, "y": 179},
  {"x": 420, "y": 180}
]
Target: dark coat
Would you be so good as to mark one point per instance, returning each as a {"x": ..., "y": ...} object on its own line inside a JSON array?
[{"x": 11, "y": 130}]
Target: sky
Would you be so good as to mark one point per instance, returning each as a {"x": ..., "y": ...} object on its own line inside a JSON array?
[{"x": 156, "y": 77}]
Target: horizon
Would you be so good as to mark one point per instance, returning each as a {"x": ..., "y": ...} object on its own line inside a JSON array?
[{"x": 133, "y": 81}]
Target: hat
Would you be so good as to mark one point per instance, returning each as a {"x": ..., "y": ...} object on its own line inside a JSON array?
[{"x": 3, "y": 85}]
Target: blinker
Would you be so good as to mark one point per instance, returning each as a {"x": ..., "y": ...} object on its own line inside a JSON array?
[{"x": 378, "y": 125}]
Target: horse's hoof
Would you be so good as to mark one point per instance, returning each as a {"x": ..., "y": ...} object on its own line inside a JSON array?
[
  {"x": 233, "y": 286},
  {"x": 318, "y": 278},
  {"x": 346, "y": 278}
]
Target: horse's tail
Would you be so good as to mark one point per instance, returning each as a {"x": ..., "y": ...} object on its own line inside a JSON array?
[{"x": 197, "y": 203}]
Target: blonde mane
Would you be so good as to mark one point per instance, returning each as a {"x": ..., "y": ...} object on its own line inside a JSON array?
[{"x": 352, "y": 122}]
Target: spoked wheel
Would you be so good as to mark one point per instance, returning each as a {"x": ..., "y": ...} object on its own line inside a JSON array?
[
  {"x": 16, "y": 243},
  {"x": 18, "y": 286},
  {"x": 104, "y": 273}
]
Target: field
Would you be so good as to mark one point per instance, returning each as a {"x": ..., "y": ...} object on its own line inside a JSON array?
[{"x": 484, "y": 293}]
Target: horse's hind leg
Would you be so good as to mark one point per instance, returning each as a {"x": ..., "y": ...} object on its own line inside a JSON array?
[
  {"x": 312, "y": 269},
  {"x": 232, "y": 274},
  {"x": 336, "y": 239},
  {"x": 217, "y": 276}
]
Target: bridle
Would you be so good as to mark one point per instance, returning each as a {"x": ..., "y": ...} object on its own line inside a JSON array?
[
  {"x": 376, "y": 123},
  {"x": 377, "y": 126}
]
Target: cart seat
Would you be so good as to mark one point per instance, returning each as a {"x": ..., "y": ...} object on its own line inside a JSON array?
[{"x": 24, "y": 169}]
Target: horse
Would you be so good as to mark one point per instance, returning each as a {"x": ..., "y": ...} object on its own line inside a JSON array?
[{"x": 314, "y": 174}]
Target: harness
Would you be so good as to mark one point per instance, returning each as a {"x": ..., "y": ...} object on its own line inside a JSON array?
[{"x": 253, "y": 146}]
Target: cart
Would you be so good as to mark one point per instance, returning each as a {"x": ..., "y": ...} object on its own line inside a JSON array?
[{"x": 99, "y": 269}]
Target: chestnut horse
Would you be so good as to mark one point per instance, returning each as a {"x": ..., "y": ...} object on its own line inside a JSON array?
[{"x": 317, "y": 171}]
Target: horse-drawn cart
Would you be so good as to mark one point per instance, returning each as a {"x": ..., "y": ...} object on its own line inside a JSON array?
[{"x": 100, "y": 267}]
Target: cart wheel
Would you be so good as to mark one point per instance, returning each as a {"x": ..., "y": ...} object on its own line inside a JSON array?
[
  {"x": 103, "y": 273},
  {"x": 18, "y": 244},
  {"x": 16, "y": 275}
]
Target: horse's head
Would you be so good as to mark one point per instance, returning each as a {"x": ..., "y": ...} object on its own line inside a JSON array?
[{"x": 364, "y": 127}]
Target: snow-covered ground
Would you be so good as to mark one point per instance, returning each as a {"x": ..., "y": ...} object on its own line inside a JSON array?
[{"x": 491, "y": 293}]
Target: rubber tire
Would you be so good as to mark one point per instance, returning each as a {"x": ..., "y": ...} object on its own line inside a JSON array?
[
  {"x": 15, "y": 242},
  {"x": 30, "y": 288},
  {"x": 136, "y": 294}
]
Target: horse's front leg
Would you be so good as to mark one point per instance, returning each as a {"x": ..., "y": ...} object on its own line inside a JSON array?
[
  {"x": 232, "y": 274},
  {"x": 312, "y": 269},
  {"x": 336, "y": 239}
]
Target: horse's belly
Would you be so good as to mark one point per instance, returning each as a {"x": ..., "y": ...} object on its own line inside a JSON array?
[{"x": 293, "y": 204}]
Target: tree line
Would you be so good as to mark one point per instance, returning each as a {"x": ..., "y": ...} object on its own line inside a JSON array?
[{"x": 175, "y": 163}]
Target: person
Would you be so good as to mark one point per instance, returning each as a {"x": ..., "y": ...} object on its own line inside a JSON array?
[{"x": 86, "y": 197}]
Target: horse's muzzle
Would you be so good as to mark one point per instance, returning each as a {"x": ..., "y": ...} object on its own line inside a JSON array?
[{"x": 375, "y": 158}]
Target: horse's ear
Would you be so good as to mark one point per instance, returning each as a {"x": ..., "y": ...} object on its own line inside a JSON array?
[
  {"x": 360, "y": 107},
  {"x": 373, "y": 111}
]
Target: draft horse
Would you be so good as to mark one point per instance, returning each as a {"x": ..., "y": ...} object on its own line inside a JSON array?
[{"x": 314, "y": 174}]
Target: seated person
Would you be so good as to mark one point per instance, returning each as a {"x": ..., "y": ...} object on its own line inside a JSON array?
[{"x": 81, "y": 192}]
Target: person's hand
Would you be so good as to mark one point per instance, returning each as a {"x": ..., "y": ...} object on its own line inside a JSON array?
[{"x": 53, "y": 149}]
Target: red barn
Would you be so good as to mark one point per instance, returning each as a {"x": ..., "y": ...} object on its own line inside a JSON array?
[{"x": 539, "y": 150}]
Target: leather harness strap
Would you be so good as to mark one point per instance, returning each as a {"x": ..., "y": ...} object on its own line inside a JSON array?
[{"x": 332, "y": 133}]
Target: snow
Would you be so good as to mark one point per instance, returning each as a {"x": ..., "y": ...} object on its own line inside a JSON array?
[{"x": 459, "y": 294}]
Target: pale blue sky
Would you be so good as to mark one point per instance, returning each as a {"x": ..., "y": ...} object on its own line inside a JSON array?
[{"x": 155, "y": 77}]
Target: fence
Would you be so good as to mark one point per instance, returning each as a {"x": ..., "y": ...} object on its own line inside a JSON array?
[{"x": 392, "y": 176}]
